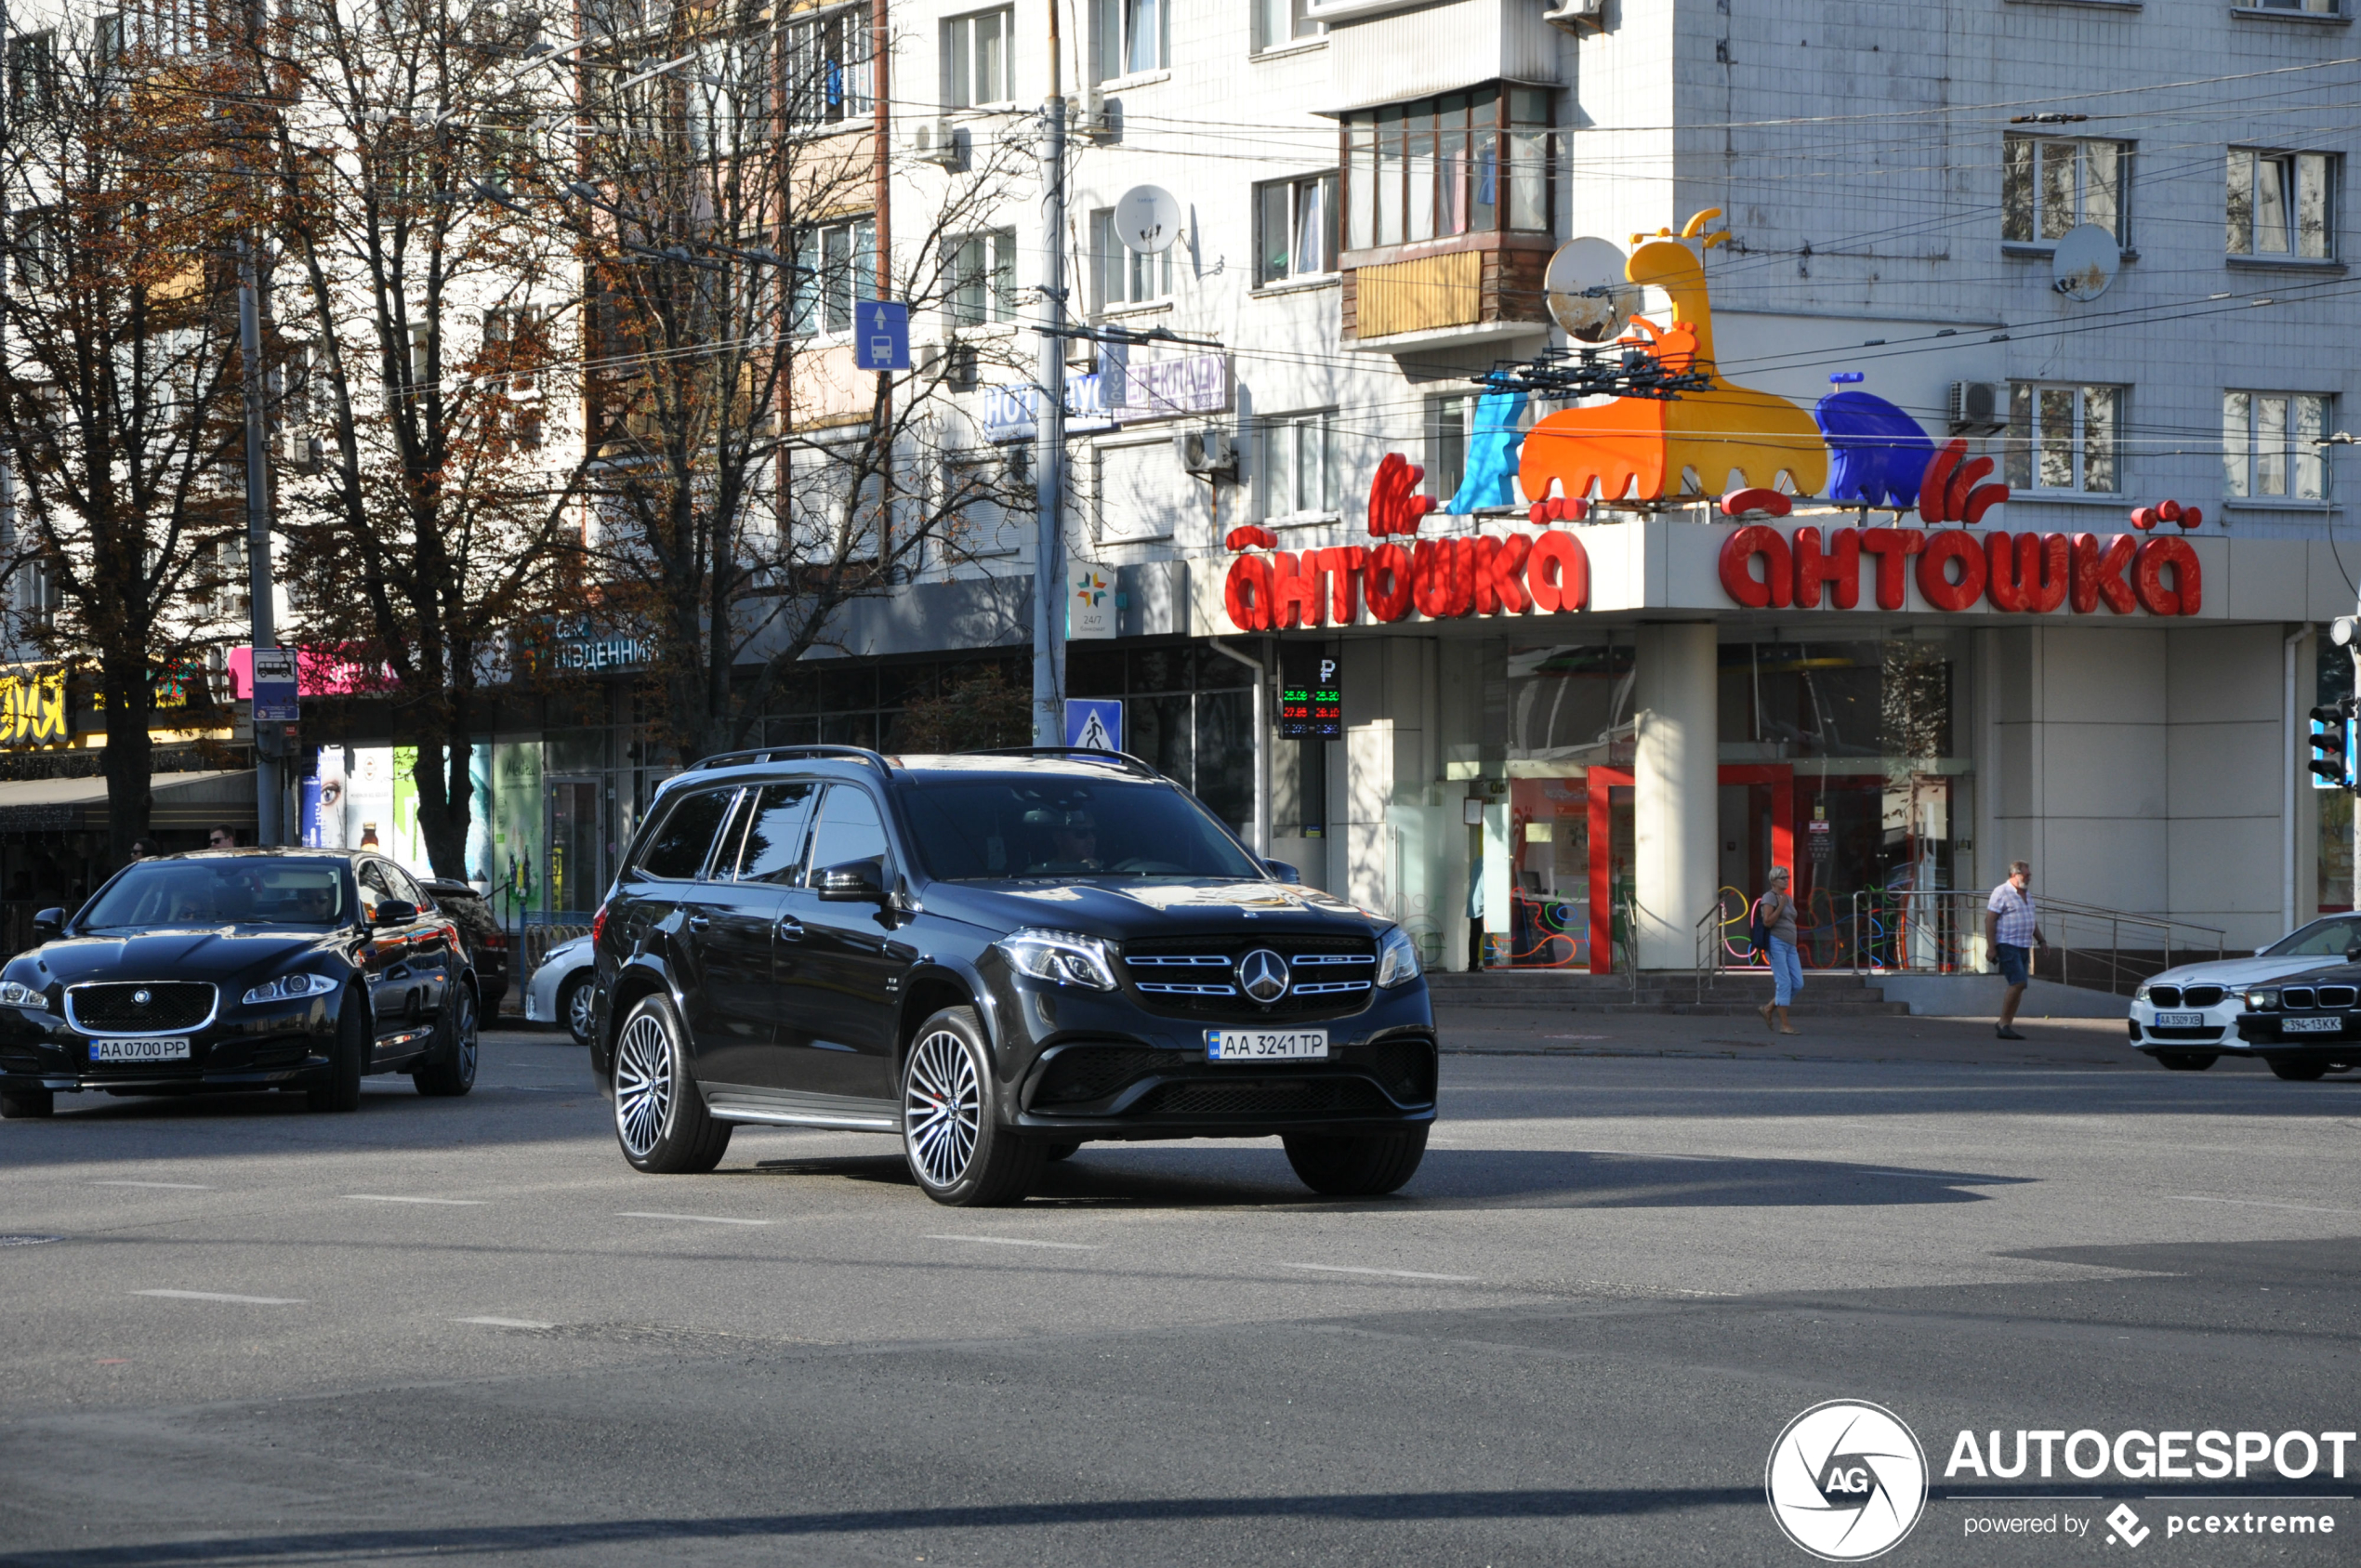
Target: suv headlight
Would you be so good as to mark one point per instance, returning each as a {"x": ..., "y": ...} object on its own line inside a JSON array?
[
  {"x": 1064, "y": 957},
  {"x": 2262, "y": 1001},
  {"x": 16, "y": 993},
  {"x": 286, "y": 988},
  {"x": 1397, "y": 958}
]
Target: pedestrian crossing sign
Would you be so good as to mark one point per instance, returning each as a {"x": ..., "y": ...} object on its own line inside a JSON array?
[{"x": 1094, "y": 723}]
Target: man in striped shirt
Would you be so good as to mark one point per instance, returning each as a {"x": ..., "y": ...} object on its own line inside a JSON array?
[{"x": 2011, "y": 932}]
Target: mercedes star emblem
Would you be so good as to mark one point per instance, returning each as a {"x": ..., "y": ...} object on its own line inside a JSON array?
[
  {"x": 1263, "y": 975},
  {"x": 142, "y": 996}
]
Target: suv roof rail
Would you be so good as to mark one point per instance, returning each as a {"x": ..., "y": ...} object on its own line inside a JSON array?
[
  {"x": 1122, "y": 759},
  {"x": 781, "y": 753}
]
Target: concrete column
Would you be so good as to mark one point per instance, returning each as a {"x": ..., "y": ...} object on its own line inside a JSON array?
[{"x": 1676, "y": 809}]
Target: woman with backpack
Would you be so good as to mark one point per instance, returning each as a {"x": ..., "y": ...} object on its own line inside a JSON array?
[{"x": 1773, "y": 934}]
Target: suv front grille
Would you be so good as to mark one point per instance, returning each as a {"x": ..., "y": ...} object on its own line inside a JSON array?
[
  {"x": 1197, "y": 976},
  {"x": 113, "y": 1007},
  {"x": 1283, "y": 1097}
]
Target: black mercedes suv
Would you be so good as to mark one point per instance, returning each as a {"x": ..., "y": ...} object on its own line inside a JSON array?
[{"x": 997, "y": 956}]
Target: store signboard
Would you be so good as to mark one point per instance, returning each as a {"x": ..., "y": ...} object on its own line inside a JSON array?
[
  {"x": 1091, "y": 605},
  {"x": 32, "y": 705},
  {"x": 1311, "y": 697},
  {"x": 1164, "y": 389},
  {"x": 1008, "y": 411}
]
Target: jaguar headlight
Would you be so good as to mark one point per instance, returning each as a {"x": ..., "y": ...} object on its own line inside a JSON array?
[
  {"x": 1063, "y": 957},
  {"x": 16, "y": 993},
  {"x": 1397, "y": 958},
  {"x": 2262, "y": 1001},
  {"x": 286, "y": 988}
]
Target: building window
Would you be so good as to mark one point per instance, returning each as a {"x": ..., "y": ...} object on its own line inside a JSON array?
[
  {"x": 1278, "y": 23},
  {"x": 1464, "y": 163},
  {"x": 981, "y": 274},
  {"x": 845, "y": 257},
  {"x": 1295, "y": 228},
  {"x": 1122, "y": 276},
  {"x": 728, "y": 94},
  {"x": 1299, "y": 476},
  {"x": 2268, "y": 445},
  {"x": 2280, "y": 203},
  {"x": 2064, "y": 438},
  {"x": 33, "y": 76},
  {"x": 2052, "y": 184},
  {"x": 828, "y": 66},
  {"x": 1449, "y": 422},
  {"x": 1132, "y": 36},
  {"x": 977, "y": 65}
]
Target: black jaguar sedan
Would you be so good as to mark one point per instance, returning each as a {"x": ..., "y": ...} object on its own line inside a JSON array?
[{"x": 240, "y": 970}]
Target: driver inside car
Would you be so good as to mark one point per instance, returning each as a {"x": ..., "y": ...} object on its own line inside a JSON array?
[{"x": 1074, "y": 847}]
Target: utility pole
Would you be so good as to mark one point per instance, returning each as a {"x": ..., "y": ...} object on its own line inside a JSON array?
[
  {"x": 268, "y": 739},
  {"x": 1050, "y": 420}
]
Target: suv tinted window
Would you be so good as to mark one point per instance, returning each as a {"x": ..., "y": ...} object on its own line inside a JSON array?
[
  {"x": 679, "y": 846},
  {"x": 849, "y": 829},
  {"x": 775, "y": 833},
  {"x": 968, "y": 826}
]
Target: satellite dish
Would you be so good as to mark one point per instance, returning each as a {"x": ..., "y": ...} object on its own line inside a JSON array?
[
  {"x": 2085, "y": 262},
  {"x": 1147, "y": 219},
  {"x": 1587, "y": 291}
]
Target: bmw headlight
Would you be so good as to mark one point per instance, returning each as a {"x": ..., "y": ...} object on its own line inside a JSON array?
[
  {"x": 1066, "y": 957},
  {"x": 2262, "y": 1001},
  {"x": 16, "y": 993},
  {"x": 2140, "y": 994},
  {"x": 1397, "y": 958},
  {"x": 286, "y": 988}
]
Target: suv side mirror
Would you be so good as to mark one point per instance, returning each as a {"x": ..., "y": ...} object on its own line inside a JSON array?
[
  {"x": 48, "y": 925},
  {"x": 852, "y": 881},
  {"x": 1282, "y": 871},
  {"x": 394, "y": 912}
]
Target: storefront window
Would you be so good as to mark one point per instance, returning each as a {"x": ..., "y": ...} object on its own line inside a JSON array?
[
  {"x": 1570, "y": 705},
  {"x": 1566, "y": 857},
  {"x": 1187, "y": 712}
]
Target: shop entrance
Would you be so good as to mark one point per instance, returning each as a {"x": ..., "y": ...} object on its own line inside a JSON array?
[{"x": 574, "y": 879}]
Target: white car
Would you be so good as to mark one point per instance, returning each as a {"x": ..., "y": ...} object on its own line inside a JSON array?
[
  {"x": 2188, "y": 1016},
  {"x": 560, "y": 990}
]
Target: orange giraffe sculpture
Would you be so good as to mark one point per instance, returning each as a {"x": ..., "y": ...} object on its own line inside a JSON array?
[{"x": 1632, "y": 445}]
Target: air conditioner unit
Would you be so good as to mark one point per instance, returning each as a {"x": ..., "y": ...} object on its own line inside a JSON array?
[
  {"x": 954, "y": 364},
  {"x": 1207, "y": 451},
  {"x": 1096, "y": 117},
  {"x": 938, "y": 142},
  {"x": 1979, "y": 408},
  {"x": 299, "y": 451},
  {"x": 1578, "y": 16}
]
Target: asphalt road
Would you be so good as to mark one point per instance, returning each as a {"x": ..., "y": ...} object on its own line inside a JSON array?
[{"x": 464, "y": 1330}]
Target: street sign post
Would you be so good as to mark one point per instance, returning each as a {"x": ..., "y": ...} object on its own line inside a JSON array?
[
  {"x": 881, "y": 336},
  {"x": 274, "y": 687},
  {"x": 1094, "y": 723}
]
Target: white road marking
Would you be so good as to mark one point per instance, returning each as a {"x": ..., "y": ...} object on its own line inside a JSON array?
[
  {"x": 386, "y": 1198},
  {"x": 1014, "y": 1241},
  {"x": 505, "y": 1322},
  {"x": 1391, "y": 1274},
  {"x": 693, "y": 1219},
  {"x": 2258, "y": 1202},
  {"x": 171, "y": 1186},
  {"x": 216, "y": 1296}
]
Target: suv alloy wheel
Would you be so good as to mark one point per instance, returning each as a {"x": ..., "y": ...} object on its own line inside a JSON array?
[
  {"x": 958, "y": 1154},
  {"x": 660, "y": 1117}
]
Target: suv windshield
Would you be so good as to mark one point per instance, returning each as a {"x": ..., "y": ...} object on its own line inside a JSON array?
[
  {"x": 1056, "y": 826},
  {"x": 222, "y": 892}
]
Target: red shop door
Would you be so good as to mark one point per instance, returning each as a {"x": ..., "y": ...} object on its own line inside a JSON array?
[{"x": 1778, "y": 778}]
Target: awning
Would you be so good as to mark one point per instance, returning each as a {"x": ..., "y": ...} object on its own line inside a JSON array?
[{"x": 201, "y": 799}]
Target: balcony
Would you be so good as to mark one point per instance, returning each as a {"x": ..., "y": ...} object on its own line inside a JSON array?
[{"x": 1449, "y": 294}]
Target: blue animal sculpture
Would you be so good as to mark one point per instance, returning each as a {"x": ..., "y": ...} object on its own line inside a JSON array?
[
  {"x": 1491, "y": 473},
  {"x": 1881, "y": 454}
]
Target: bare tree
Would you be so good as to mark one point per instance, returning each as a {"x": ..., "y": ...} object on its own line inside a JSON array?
[
  {"x": 119, "y": 374},
  {"x": 425, "y": 313},
  {"x": 747, "y": 481}
]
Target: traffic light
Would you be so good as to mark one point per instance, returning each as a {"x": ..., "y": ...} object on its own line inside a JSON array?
[{"x": 2332, "y": 737}]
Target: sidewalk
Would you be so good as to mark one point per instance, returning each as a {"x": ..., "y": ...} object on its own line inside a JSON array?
[{"x": 2078, "y": 1043}]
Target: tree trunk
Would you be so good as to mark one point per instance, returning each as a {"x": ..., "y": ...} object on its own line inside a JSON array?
[
  {"x": 129, "y": 753},
  {"x": 444, "y": 812}
]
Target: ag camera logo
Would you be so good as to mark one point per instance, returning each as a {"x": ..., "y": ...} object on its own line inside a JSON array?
[{"x": 1846, "y": 1481}]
